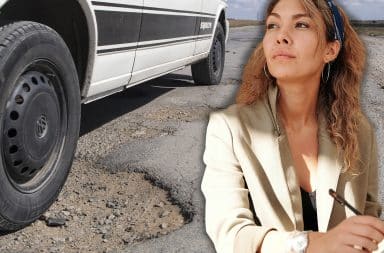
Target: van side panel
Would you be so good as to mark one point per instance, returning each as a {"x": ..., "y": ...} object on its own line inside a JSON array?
[
  {"x": 167, "y": 38},
  {"x": 136, "y": 44},
  {"x": 118, "y": 27}
]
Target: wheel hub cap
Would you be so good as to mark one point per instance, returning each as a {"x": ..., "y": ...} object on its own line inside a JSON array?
[
  {"x": 31, "y": 126},
  {"x": 41, "y": 126}
]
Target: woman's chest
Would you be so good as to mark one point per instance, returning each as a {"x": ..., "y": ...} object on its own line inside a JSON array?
[{"x": 303, "y": 148}]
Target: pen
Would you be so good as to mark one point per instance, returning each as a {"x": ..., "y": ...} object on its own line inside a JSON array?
[{"x": 343, "y": 202}]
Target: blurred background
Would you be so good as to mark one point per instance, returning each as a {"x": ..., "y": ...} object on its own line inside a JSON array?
[
  {"x": 367, "y": 16},
  {"x": 368, "y": 10}
]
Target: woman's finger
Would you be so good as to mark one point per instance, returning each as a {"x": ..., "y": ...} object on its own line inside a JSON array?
[
  {"x": 353, "y": 250},
  {"x": 359, "y": 242},
  {"x": 369, "y": 220},
  {"x": 367, "y": 231}
]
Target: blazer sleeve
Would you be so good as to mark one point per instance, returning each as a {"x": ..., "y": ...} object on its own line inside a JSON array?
[
  {"x": 229, "y": 221},
  {"x": 372, "y": 205}
]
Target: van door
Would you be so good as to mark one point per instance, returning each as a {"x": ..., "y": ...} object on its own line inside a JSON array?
[
  {"x": 167, "y": 37},
  {"x": 118, "y": 28},
  {"x": 206, "y": 26}
]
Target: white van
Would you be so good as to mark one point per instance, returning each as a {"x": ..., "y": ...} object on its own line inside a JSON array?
[{"x": 57, "y": 54}]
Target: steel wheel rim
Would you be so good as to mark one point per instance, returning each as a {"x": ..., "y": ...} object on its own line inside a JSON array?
[
  {"x": 217, "y": 57},
  {"x": 39, "y": 83}
]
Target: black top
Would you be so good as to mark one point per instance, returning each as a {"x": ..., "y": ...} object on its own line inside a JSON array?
[{"x": 308, "y": 201}]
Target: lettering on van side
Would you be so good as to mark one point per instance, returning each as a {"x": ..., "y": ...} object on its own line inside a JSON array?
[{"x": 205, "y": 25}]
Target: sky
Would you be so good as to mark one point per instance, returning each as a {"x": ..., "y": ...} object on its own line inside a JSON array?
[{"x": 356, "y": 9}]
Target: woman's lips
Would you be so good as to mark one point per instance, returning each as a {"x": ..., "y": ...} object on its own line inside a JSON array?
[{"x": 283, "y": 56}]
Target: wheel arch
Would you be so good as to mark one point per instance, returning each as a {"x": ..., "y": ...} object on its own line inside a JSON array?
[
  {"x": 221, "y": 18},
  {"x": 223, "y": 21},
  {"x": 73, "y": 20}
]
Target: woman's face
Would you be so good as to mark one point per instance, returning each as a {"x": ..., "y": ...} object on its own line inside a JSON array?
[{"x": 291, "y": 43}]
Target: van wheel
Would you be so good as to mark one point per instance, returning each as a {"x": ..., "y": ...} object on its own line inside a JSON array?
[
  {"x": 40, "y": 120},
  {"x": 210, "y": 70}
]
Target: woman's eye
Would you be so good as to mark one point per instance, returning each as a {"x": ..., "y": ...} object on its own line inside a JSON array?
[
  {"x": 271, "y": 26},
  {"x": 302, "y": 25}
]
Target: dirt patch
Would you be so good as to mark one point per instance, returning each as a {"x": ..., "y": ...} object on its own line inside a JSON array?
[
  {"x": 102, "y": 212},
  {"x": 240, "y": 22},
  {"x": 97, "y": 144},
  {"x": 185, "y": 114},
  {"x": 374, "y": 31}
]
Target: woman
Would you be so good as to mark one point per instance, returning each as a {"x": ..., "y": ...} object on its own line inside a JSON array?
[{"x": 296, "y": 131}]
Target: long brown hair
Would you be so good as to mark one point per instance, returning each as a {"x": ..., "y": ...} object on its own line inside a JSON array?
[{"x": 339, "y": 97}]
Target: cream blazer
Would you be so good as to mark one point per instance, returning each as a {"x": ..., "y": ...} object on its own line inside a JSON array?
[{"x": 245, "y": 143}]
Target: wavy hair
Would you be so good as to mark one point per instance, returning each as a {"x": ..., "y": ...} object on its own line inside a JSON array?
[{"x": 339, "y": 97}]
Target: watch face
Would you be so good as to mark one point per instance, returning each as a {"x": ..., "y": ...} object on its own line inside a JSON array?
[{"x": 300, "y": 242}]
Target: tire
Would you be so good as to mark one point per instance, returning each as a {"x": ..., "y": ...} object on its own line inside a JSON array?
[
  {"x": 40, "y": 120},
  {"x": 210, "y": 70}
]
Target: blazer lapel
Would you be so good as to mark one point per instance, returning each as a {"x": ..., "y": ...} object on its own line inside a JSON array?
[
  {"x": 328, "y": 172},
  {"x": 268, "y": 151}
]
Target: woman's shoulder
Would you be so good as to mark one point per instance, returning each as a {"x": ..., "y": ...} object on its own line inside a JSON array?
[
  {"x": 241, "y": 111},
  {"x": 365, "y": 123},
  {"x": 255, "y": 116},
  {"x": 365, "y": 127},
  {"x": 366, "y": 133}
]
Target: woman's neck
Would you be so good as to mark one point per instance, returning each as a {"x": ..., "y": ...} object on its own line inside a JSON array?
[{"x": 297, "y": 105}]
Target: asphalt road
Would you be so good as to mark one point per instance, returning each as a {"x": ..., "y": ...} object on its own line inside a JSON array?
[{"x": 176, "y": 160}]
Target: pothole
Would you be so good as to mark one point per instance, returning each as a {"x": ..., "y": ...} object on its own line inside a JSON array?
[{"x": 101, "y": 211}]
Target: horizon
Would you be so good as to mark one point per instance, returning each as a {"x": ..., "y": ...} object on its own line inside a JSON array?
[{"x": 359, "y": 10}]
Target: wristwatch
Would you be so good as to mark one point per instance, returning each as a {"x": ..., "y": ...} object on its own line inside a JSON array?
[{"x": 297, "y": 242}]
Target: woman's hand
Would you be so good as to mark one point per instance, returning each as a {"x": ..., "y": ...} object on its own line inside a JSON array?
[{"x": 354, "y": 235}]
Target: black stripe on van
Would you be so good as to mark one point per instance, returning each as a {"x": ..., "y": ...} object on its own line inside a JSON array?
[
  {"x": 115, "y": 27},
  {"x": 99, "y": 3},
  {"x": 120, "y": 49},
  {"x": 124, "y": 27},
  {"x": 160, "y": 26},
  {"x": 170, "y": 42},
  {"x": 178, "y": 11}
]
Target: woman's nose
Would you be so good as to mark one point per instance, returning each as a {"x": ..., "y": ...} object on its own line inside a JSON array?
[{"x": 283, "y": 38}]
